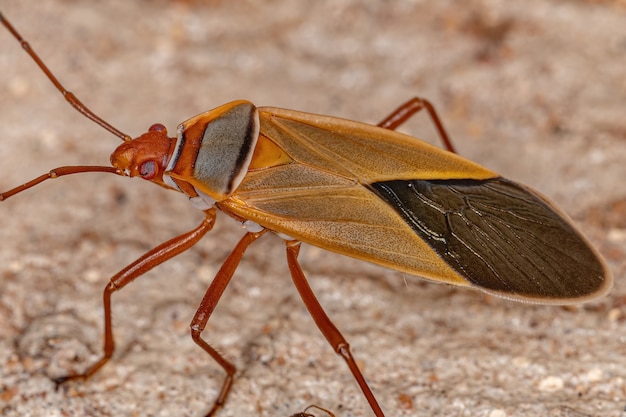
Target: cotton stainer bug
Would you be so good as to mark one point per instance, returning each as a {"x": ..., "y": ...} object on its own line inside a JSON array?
[{"x": 356, "y": 189}]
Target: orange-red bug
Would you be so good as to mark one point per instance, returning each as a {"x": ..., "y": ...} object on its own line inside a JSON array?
[{"x": 355, "y": 189}]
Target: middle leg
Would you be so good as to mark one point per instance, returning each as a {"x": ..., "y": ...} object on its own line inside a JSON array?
[{"x": 208, "y": 304}]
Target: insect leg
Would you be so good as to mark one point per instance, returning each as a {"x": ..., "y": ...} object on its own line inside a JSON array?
[
  {"x": 306, "y": 413},
  {"x": 326, "y": 326},
  {"x": 207, "y": 305},
  {"x": 408, "y": 109},
  {"x": 149, "y": 260}
]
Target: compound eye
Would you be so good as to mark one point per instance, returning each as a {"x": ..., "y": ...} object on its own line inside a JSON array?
[{"x": 148, "y": 170}]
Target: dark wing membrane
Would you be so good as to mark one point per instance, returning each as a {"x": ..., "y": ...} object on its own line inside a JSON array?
[{"x": 500, "y": 236}]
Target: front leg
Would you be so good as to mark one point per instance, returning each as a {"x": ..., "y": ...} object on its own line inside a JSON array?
[{"x": 153, "y": 258}]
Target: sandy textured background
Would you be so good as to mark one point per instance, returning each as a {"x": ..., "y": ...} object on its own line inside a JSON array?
[{"x": 535, "y": 90}]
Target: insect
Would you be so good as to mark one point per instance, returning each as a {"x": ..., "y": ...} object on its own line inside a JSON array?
[{"x": 360, "y": 190}]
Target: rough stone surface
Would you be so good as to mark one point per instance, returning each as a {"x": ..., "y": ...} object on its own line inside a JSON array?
[{"x": 535, "y": 90}]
